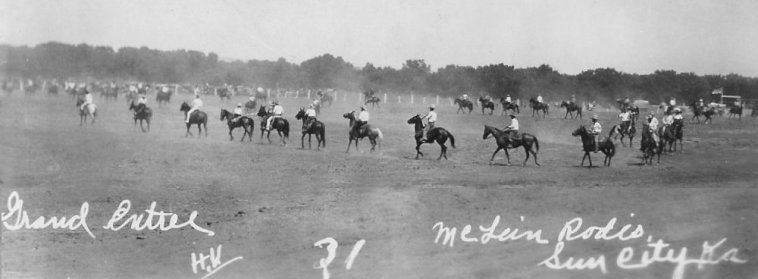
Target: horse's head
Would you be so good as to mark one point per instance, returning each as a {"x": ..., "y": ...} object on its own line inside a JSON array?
[
  {"x": 261, "y": 111},
  {"x": 564, "y": 104},
  {"x": 487, "y": 131},
  {"x": 79, "y": 102},
  {"x": 349, "y": 115},
  {"x": 132, "y": 106},
  {"x": 224, "y": 114},
  {"x": 580, "y": 131},
  {"x": 184, "y": 107},
  {"x": 415, "y": 119},
  {"x": 300, "y": 114}
]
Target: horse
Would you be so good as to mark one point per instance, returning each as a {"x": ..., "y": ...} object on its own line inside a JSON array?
[
  {"x": 280, "y": 124},
  {"x": 671, "y": 135},
  {"x": 247, "y": 124},
  {"x": 437, "y": 134},
  {"x": 197, "y": 117},
  {"x": 571, "y": 108},
  {"x": 505, "y": 141},
  {"x": 509, "y": 106},
  {"x": 316, "y": 128},
  {"x": 634, "y": 112},
  {"x": 464, "y": 104},
  {"x": 141, "y": 113},
  {"x": 649, "y": 147},
  {"x": 735, "y": 111},
  {"x": 537, "y": 106},
  {"x": 486, "y": 104},
  {"x": 368, "y": 131},
  {"x": 588, "y": 144},
  {"x": 162, "y": 97},
  {"x": 618, "y": 131},
  {"x": 373, "y": 100},
  {"x": 88, "y": 110}
]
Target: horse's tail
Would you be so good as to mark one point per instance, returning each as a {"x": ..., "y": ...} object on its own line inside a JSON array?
[
  {"x": 536, "y": 145},
  {"x": 286, "y": 129},
  {"x": 612, "y": 149},
  {"x": 379, "y": 133},
  {"x": 452, "y": 139},
  {"x": 613, "y": 130}
]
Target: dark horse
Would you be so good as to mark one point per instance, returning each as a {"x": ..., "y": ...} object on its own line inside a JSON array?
[
  {"x": 509, "y": 106},
  {"x": 247, "y": 124},
  {"x": 141, "y": 113},
  {"x": 373, "y": 100},
  {"x": 537, "y": 106},
  {"x": 487, "y": 104},
  {"x": 464, "y": 104},
  {"x": 197, "y": 117},
  {"x": 368, "y": 131},
  {"x": 672, "y": 134},
  {"x": 89, "y": 110},
  {"x": 588, "y": 144},
  {"x": 698, "y": 110},
  {"x": 571, "y": 108},
  {"x": 735, "y": 111},
  {"x": 316, "y": 128},
  {"x": 437, "y": 134},
  {"x": 505, "y": 141},
  {"x": 619, "y": 131},
  {"x": 649, "y": 147},
  {"x": 281, "y": 125},
  {"x": 162, "y": 97}
]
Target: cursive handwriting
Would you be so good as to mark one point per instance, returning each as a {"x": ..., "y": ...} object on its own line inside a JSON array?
[
  {"x": 214, "y": 260},
  {"x": 140, "y": 222},
  {"x": 488, "y": 233},
  {"x": 15, "y": 208}
]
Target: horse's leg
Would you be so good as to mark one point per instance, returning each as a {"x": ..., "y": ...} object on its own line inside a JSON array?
[
  {"x": 188, "y": 130},
  {"x": 268, "y": 136},
  {"x": 583, "y": 157},
  {"x": 507, "y": 156},
  {"x": 309, "y": 141},
  {"x": 349, "y": 142},
  {"x": 494, "y": 153},
  {"x": 302, "y": 141},
  {"x": 418, "y": 148},
  {"x": 567, "y": 113},
  {"x": 443, "y": 151},
  {"x": 231, "y": 137}
]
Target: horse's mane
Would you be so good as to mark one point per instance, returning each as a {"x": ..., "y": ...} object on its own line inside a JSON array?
[{"x": 493, "y": 128}]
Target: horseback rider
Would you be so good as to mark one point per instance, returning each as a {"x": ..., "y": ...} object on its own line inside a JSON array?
[
  {"x": 573, "y": 99},
  {"x": 431, "y": 119},
  {"x": 87, "y": 99},
  {"x": 595, "y": 131},
  {"x": 678, "y": 117},
  {"x": 361, "y": 122},
  {"x": 508, "y": 99},
  {"x": 276, "y": 112},
  {"x": 701, "y": 104},
  {"x": 196, "y": 105},
  {"x": 141, "y": 104},
  {"x": 237, "y": 113},
  {"x": 539, "y": 99},
  {"x": 464, "y": 97},
  {"x": 653, "y": 127},
  {"x": 626, "y": 123},
  {"x": 667, "y": 120},
  {"x": 512, "y": 129},
  {"x": 310, "y": 117}
]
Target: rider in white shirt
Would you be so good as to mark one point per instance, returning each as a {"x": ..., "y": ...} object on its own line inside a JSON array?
[
  {"x": 362, "y": 120},
  {"x": 653, "y": 126},
  {"x": 595, "y": 130},
  {"x": 508, "y": 99},
  {"x": 276, "y": 112},
  {"x": 431, "y": 119},
  {"x": 196, "y": 105},
  {"x": 513, "y": 128},
  {"x": 87, "y": 100},
  {"x": 310, "y": 116},
  {"x": 625, "y": 120},
  {"x": 539, "y": 99},
  {"x": 678, "y": 116}
]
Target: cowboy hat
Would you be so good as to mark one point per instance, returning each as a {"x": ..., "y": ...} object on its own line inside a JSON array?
[
  {"x": 239, "y": 104},
  {"x": 431, "y": 106},
  {"x": 512, "y": 115},
  {"x": 363, "y": 107},
  {"x": 594, "y": 116}
]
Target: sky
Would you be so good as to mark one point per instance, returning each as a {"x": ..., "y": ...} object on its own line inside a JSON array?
[{"x": 640, "y": 36}]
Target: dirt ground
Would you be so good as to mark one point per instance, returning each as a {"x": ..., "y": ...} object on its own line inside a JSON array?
[{"x": 270, "y": 203}]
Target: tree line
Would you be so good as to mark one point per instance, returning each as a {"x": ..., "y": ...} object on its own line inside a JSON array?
[{"x": 82, "y": 61}]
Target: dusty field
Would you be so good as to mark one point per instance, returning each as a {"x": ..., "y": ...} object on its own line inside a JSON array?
[{"x": 269, "y": 203}]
